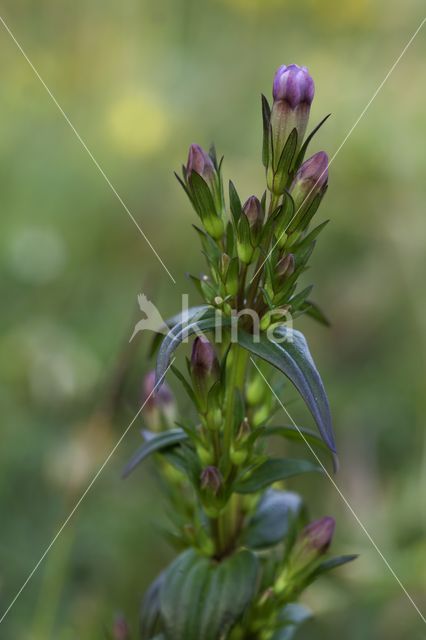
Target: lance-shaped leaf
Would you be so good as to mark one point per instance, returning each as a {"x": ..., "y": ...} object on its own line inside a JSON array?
[
  {"x": 273, "y": 518},
  {"x": 271, "y": 471},
  {"x": 152, "y": 444},
  {"x": 293, "y": 358},
  {"x": 329, "y": 565},
  {"x": 149, "y": 614},
  {"x": 295, "y": 434},
  {"x": 291, "y": 617},
  {"x": 183, "y": 316},
  {"x": 208, "y": 319},
  {"x": 202, "y": 599}
]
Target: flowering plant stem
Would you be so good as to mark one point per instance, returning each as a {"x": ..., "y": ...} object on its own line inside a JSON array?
[{"x": 246, "y": 548}]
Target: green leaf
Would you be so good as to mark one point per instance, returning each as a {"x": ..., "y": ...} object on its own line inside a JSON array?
[
  {"x": 164, "y": 440},
  {"x": 184, "y": 316},
  {"x": 208, "y": 319},
  {"x": 329, "y": 565},
  {"x": 291, "y": 617},
  {"x": 293, "y": 358},
  {"x": 314, "y": 311},
  {"x": 274, "y": 516},
  {"x": 234, "y": 202},
  {"x": 271, "y": 471},
  {"x": 304, "y": 147},
  {"x": 299, "y": 434},
  {"x": 266, "y": 118},
  {"x": 310, "y": 237},
  {"x": 202, "y": 599},
  {"x": 149, "y": 614}
]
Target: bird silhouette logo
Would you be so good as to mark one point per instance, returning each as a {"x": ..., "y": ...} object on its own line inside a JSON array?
[{"x": 153, "y": 320}]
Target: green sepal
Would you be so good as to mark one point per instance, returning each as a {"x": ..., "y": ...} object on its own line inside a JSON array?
[
  {"x": 303, "y": 149},
  {"x": 244, "y": 246},
  {"x": 234, "y": 202},
  {"x": 266, "y": 118}
]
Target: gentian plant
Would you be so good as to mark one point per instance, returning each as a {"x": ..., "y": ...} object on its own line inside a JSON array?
[{"x": 247, "y": 549}]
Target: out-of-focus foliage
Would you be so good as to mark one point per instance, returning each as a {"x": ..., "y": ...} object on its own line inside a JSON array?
[{"x": 139, "y": 79}]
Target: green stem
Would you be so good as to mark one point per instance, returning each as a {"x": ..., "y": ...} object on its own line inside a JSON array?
[{"x": 235, "y": 381}]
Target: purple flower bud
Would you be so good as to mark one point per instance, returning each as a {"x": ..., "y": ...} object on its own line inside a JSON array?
[
  {"x": 285, "y": 266},
  {"x": 294, "y": 85},
  {"x": 159, "y": 402},
  {"x": 211, "y": 479},
  {"x": 254, "y": 212},
  {"x": 200, "y": 162},
  {"x": 121, "y": 629},
  {"x": 204, "y": 369},
  {"x": 311, "y": 179},
  {"x": 293, "y": 92},
  {"x": 204, "y": 362},
  {"x": 156, "y": 397},
  {"x": 319, "y": 534}
]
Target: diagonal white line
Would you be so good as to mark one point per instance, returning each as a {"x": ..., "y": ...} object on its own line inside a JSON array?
[
  {"x": 86, "y": 148},
  {"x": 83, "y": 496},
  {"x": 349, "y": 133},
  {"x": 345, "y": 500}
]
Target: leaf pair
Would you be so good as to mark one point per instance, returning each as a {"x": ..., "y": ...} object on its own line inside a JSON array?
[{"x": 288, "y": 352}]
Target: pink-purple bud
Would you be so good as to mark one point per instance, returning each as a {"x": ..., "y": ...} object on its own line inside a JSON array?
[
  {"x": 200, "y": 162},
  {"x": 204, "y": 369},
  {"x": 311, "y": 179},
  {"x": 211, "y": 480},
  {"x": 312, "y": 542},
  {"x": 204, "y": 362},
  {"x": 159, "y": 402},
  {"x": 121, "y": 629},
  {"x": 319, "y": 534},
  {"x": 293, "y": 91},
  {"x": 285, "y": 266},
  {"x": 254, "y": 212},
  {"x": 294, "y": 85}
]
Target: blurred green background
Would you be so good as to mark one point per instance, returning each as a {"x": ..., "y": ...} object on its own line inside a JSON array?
[{"x": 140, "y": 80}]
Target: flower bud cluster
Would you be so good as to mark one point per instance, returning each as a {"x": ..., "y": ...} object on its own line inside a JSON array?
[{"x": 203, "y": 183}]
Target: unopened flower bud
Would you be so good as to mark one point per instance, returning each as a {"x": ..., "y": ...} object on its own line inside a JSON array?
[
  {"x": 204, "y": 367},
  {"x": 200, "y": 162},
  {"x": 211, "y": 480},
  {"x": 312, "y": 542},
  {"x": 159, "y": 402},
  {"x": 121, "y": 629},
  {"x": 244, "y": 431},
  {"x": 203, "y": 359},
  {"x": 206, "y": 194},
  {"x": 319, "y": 534},
  {"x": 310, "y": 180},
  {"x": 254, "y": 212},
  {"x": 285, "y": 267},
  {"x": 293, "y": 92}
]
